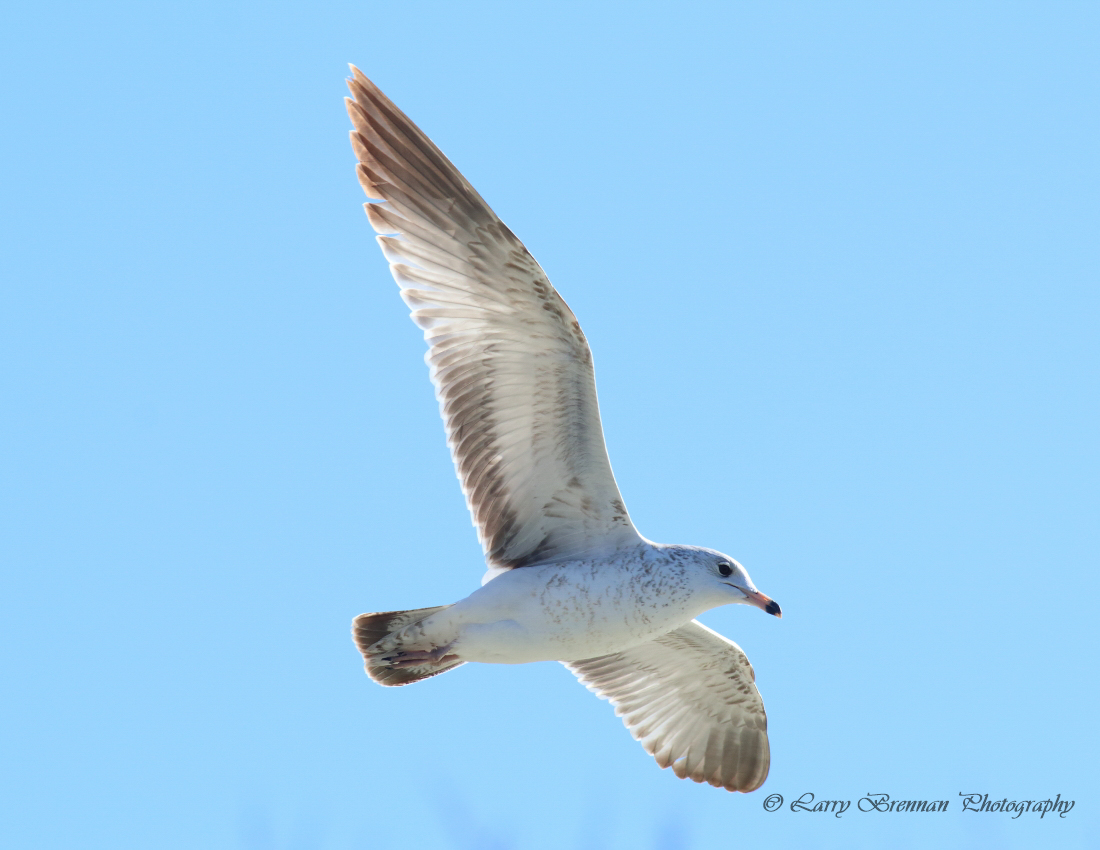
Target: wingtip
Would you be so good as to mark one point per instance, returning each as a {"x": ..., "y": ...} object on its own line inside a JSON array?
[{"x": 359, "y": 77}]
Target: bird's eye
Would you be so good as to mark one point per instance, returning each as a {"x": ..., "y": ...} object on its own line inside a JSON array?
[{"x": 724, "y": 569}]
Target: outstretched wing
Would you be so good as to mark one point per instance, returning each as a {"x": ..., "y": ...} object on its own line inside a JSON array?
[
  {"x": 511, "y": 368},
  {"x": 689, "y": 698}
]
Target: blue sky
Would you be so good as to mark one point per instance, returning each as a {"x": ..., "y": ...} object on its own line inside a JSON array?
[{"x": 838, "y": 266}]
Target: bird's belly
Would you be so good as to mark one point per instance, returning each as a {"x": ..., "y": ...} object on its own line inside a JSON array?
[
  {"x": 513, "y": 642},
  {"x": 532, "y": 619}
]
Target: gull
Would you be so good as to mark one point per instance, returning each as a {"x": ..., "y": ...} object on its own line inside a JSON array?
[{"x": 569, "y": 577}]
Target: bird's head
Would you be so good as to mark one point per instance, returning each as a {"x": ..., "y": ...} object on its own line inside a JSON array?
[{"x": 726, "y": 578}]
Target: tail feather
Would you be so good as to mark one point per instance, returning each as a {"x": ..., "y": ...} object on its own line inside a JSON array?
[{"x": 370, "y": 630}]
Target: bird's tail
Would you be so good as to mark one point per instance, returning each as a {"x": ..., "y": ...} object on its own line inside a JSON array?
[{"x": 385, "y": 642}]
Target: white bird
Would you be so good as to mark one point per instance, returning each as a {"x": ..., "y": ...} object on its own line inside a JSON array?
[{"x": 570, "y": 579}]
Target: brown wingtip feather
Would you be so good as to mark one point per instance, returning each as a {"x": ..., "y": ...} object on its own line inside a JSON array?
[{"x": 359, "y": 75}]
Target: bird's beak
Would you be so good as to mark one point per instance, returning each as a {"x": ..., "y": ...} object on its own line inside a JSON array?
[{"x": 768, "y": 606}]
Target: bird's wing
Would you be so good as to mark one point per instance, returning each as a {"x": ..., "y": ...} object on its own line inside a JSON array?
[
  {"x": 689, "y": 698},
  {"x": 511, "y": 368}
]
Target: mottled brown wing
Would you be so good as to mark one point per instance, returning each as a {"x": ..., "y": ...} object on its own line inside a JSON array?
[
  {"x": 689, "y": 698},
  {"x": 511, "y": 368}
]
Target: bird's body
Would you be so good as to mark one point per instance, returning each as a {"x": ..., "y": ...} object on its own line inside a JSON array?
[
  {"x": 571, "y": 610},
  {"x": 570, "y": 579}
]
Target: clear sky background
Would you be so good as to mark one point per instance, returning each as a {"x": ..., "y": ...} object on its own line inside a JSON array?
[{"x": 838, "y": 264}]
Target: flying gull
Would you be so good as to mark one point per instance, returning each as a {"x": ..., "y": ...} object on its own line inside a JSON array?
[{"x": 569, "y": 577}]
